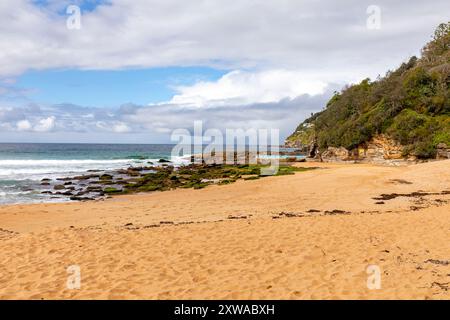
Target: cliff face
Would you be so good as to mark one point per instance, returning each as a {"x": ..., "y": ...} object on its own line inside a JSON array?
[
  {"x": 379, "y": 149},
  {"x": 443, "y": 152},
  {"x": 404, "y": 115}
]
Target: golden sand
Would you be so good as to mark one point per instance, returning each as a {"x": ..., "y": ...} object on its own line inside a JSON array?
[{"x": 254, "y": 239}]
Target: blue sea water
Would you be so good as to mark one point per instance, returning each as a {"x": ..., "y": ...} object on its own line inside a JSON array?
[{"x": 22, "y": 166}]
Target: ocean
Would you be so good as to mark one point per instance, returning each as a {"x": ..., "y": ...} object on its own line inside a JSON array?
[{"x": 24, "y": 165}]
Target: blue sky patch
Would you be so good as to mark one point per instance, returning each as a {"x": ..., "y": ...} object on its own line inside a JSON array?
[
  {"x": 60, "y": 6},
  {"x": 111, "y": 88}
]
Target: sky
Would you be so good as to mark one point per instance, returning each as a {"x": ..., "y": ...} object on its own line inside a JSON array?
[{"x": 133, "y": 71}]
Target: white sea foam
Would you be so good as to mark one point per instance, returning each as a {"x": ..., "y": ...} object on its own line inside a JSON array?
[
  {"x": 57, "y": 162},
  {"x": 17, "y": 175},
  {"x": 38, "y": 169}
]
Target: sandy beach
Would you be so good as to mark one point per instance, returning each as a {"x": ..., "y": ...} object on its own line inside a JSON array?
[{"x": 311, "y": 235}]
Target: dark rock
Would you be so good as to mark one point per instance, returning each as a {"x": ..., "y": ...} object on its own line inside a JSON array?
[
  {"x": 94, "y": 188},
  {"x": 77, "y": 198},
  {"x": 106, "y": 182},
  {"x": 132, "y": 173},
  {"x": 59, "y": 187},
  {"x": 64, "y": 179},
  {"x": 106, "y": 177},
  {"x": 86, "y": 177}
]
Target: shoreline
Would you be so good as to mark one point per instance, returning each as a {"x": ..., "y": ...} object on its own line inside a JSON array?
[
  {"x": 39, "y": 184},
  {"x": 271, "y": 232},
  {"x": 100, "y": 183}
]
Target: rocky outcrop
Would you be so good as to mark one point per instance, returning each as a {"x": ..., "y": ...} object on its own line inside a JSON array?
[
  {"x": 380, "y": 149},
  {"x": 333, "y": 154},
  {"x": 442, "y": 151}
]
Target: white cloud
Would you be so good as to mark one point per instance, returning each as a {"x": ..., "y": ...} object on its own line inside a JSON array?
[
  {"x": 44, "y": 125},
  {"x": 326, "y": 36},
  {"x": 101, "y": 125},
  {"x": 287, "y": 55},
  {"x": 23, "y": 125},
  {"x": 32, "y": 122},
  {"x": 88, "y": 116},
  {"x": 283, "y": 115},
  {"x": 243, "y": 88},
  {"x": 107, "y": 125},
  {"x": 151, "y": 123},
  {"x": 121, "y": 128}
]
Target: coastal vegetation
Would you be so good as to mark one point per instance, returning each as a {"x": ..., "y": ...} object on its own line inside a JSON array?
[
  {"x": 157, "y": 178},
  {"x": 200, "y": 176},
  {"x": 410, "y": 105}
]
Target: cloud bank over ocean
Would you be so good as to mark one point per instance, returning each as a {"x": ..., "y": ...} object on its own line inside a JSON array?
[{"x": 158, "y": 120}]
